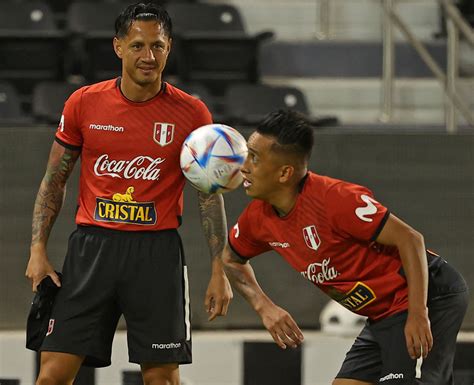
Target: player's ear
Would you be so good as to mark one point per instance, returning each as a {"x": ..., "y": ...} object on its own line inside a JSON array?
[
  {"x": 118, "y": 47},
  {"x": 286, "y": 172}
]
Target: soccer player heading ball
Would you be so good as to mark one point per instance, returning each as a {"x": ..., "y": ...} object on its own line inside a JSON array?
[
  {"x": 338, "y": 236},
  {"x": 125, "y": 256}
]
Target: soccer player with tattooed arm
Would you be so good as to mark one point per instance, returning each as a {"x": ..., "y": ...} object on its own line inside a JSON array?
[
  {"x": 126, "y": 256},
  {"x": 338, "y": 236}
]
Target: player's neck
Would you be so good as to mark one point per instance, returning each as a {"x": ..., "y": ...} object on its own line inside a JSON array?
[
  {"x": 284, "y": 201},
  {"x": 138, "y": 93}
]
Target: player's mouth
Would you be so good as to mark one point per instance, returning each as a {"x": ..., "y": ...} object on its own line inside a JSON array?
[
  {"x": 147, "y": 69},
  {"x": 247, "y": 183}
]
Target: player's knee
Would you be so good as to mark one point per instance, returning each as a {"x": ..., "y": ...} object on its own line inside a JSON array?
[
  {"x": 163, "y": 375},
  {"x": 48, "y": 379}
]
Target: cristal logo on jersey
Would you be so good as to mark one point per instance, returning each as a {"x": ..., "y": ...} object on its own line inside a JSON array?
[
  {"x": 163, "y": 133},
  {"x": 140, "y": 167},
  {"x": 369, "y": 209},
  {"x": 123, "y": 208},
  {"x": 358, "y": 297},
  {"x": 311, "y": 237}
]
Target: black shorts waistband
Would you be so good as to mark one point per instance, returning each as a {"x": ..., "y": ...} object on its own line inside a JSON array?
[{"x": 112, "y": 232}]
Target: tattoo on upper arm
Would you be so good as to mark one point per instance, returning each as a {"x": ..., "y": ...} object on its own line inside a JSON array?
[
  {"x": 211, "y": 208},
  {"x": 51, "y": 193}
]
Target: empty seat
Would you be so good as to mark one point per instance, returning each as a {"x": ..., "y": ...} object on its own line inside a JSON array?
[
  {"x": 201, "y": 92},
  {"x": 212, "y": 47},
  {"x": 31, "y": 46},
  {"x": 92, "y": 27},
  {"x": 10, "y": 106},
  {"x": 249, "y": 103},
  {"x": 49, "y": 98}
]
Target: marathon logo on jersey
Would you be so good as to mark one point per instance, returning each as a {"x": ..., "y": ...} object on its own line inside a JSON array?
[
  {"x": 358, "y": 297},
  {"x": 163, "y": 133},
  {"x": 123, "y": 209},
  {"x": 106, "y": 127},
  {"x": 282, "y": 245},
  {"x": 311, "y": 237}
]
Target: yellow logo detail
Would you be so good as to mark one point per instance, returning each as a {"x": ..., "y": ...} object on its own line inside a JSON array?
[
  {"x": 123, "y": 209},
  {"x": 358, "y": 297},
  {"x": 127, "y": 197}
]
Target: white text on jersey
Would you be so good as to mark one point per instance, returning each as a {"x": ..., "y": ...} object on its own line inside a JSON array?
[
  {"x": 106, "y": 127},
  {"x": 326, "y": 272},
  {"x": 140, "y": 167}
]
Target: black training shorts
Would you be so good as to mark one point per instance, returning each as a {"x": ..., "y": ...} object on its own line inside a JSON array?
[
  {"x": 379, "y": 354},
  {"x": 141, "y": 275}
]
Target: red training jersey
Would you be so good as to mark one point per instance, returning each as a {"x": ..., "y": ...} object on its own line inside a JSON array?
[
  {"x": 130, "y": 173},
  {"x": 329, "y": 237}
]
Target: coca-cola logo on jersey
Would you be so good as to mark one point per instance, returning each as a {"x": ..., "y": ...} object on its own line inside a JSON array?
[
  {"x": 320, "y": 272},
  {"x": 140, "y": 167}
]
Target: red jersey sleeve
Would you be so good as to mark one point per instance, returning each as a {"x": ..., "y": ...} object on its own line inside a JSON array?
[
  {"x": 243, "y": 238},
  {"x": 69, "y": 129},
  {"x": 353, "y": 211}
]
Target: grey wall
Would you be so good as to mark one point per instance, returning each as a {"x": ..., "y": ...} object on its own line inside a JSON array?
[{"x": 425, "y": 178}]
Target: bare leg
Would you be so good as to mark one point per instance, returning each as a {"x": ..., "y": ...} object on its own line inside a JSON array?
[
  {"x": 160, "y": 374},
  {"x": 347, "y": 381},
  {"x": 58, "y": 368}
]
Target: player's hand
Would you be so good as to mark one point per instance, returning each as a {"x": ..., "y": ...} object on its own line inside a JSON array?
[
  {"x": 218, "y": 295},
  {"x": 283, "y": 328},
  {"x": 39, "y": 267},
  {"x": 418, "y": 335}
]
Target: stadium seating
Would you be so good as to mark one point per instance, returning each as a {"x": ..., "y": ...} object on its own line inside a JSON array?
[
  {"x": 92, "y": 29},
  {"x": 247, "y": 104},
  {"x": 200, "y": 91},
  {"x": 9, "y": 102},
  {"x": 48, "y": 100},
  {"x": 212, "y": 46},
  {"x": 32, "y": 47},
  {"x": 10, "y": 106}
]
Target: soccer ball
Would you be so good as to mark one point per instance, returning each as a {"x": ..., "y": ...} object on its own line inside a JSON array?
[
  {"x": 211, "y": 158},
  {"x": 335, "y": 319}
]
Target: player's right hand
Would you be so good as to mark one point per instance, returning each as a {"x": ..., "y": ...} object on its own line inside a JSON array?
[
  {"x": 283, "y": 328},
  {"x": 38, "y": 268}
]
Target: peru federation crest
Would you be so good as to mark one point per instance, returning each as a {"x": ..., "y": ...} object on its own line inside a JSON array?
[
  {"x": 163, "y": 133},
  {"x": 311, "y": 237}
]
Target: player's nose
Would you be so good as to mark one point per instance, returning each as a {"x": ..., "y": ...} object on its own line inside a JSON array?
[{"x": 149, "y": 55}]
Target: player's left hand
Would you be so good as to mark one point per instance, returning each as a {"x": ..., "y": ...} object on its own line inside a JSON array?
[
  {"x": 218, "y": 295},
  {"x": 418, "y": 335}
]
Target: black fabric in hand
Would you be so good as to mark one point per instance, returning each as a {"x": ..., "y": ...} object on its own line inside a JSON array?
[{"x": 40, "y": 312}]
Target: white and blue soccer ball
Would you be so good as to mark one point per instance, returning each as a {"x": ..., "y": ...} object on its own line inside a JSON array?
[{"x": 211, "y": 158}]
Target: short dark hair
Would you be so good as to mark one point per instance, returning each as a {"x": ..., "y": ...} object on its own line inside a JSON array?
[
  {"x": 292, "y": 130},
  {"x": 142, "y": 11}
]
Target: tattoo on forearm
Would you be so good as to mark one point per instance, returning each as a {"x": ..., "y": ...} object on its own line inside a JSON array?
[
  {"x": 213, "y": 221},
  {"x": 51, "y": 194}
]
